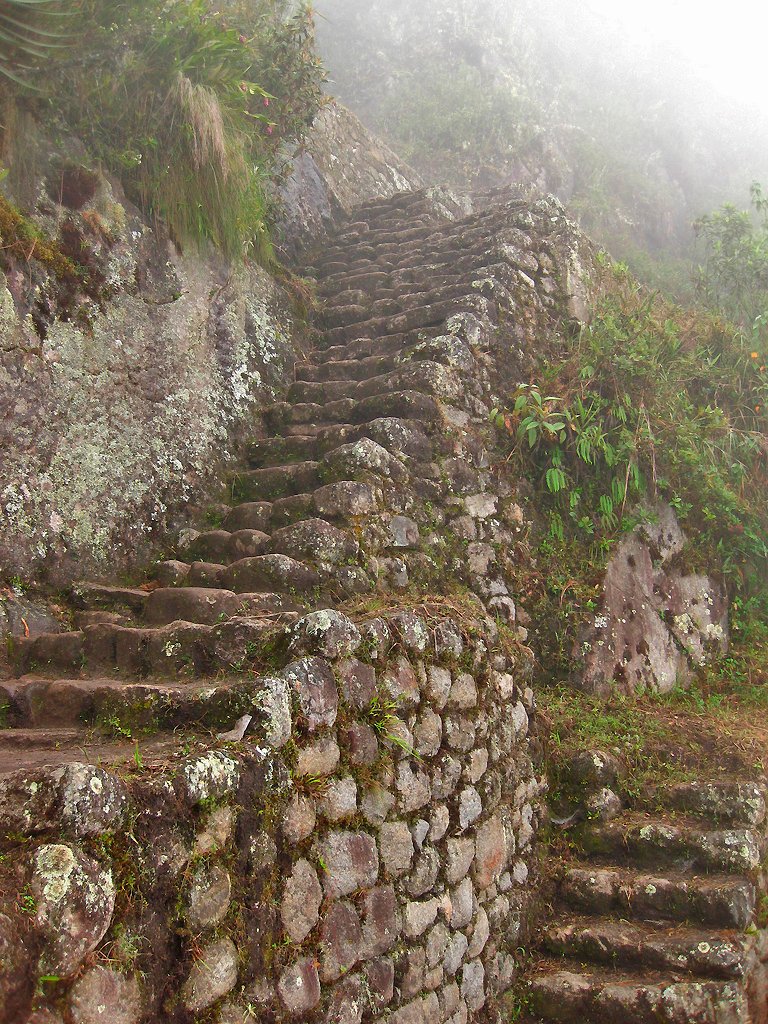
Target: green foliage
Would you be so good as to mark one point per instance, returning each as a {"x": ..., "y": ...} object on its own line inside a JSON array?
[
  {"x": 31, "y": 31},
  {"x": 190, "y": 108},
  {"x": 452, "y": 121},
  {"x": 734, "y": 274},
  {"x": 648, "y": 403}
]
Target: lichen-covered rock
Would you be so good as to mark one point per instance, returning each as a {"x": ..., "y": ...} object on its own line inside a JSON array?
[
  {"x": 328, "y": 633},
  {"x": 364, "y": 457},
  {"x": 105, "y": 996},
  {"x": 209, "y": 776},
  {"x": 274, "y": 708},
  {"x": 312, "y": 680},
  {"x": 81, "y": 799},
  {"x": 213, "y": 975},
  {"x": 74, "y": 900}
]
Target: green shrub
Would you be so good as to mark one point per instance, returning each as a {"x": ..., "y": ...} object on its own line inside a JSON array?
[
  {"x": 190, "y": 108},
  {"x": 648, "y": 403}
]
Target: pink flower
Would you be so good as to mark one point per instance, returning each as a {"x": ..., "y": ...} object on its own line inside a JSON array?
[
  {"x": 243, "y": 39},
  {"x": 266, "y": 101},
  {"x": 270, "y": 129}
]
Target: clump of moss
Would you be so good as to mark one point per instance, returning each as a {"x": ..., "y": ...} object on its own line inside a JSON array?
[{"x": 23, "y": 241}]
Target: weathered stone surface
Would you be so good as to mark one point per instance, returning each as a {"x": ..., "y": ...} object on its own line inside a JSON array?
[
  {"x": 351, "y": 860},
  {"x": 348, "y": 1002},
  {"x": 315, "y": 540},
  {"x": 424, "y": 875},
  {"x": 17, "y": 981},
  {"x": 655, "y": 624},
  {"x": 462, "y": 905},
  {"x": 403, "y": 532},
  {"x": 363, "y": 457},
  {"x": 209, "y": 776},
  {"x": 272, "y": 709},
  {"x": 104, "y": 996},
  {"x": 413, "y": 787},
  {"x": 358, "y": 683},
  {"x": 216, "y": 831},
  {"x": 299, "y": 987},
  {"x": 319, "y": 758},
  {"x": 460, "y": 854},
  {"x": 473, "y": 985},
  {"x": 209, "y": 897},
  {"x": 417, "y": 917},
  {"x": 82, "y": 799},
  {"x": 361, "y": 743},
  {"x": 396, "y": 848},
  {"x": 401, "y": 683},
  {"x": 75, "y": 899},
  {"x": 470, "y": 807},
  {"x": 299, "y": 819},
  {"x": 300, "y": 908},
  {"x": 339, "y": 800},
  {"x": 315, "y": 686},
  {"x": 380, "y": 921},
  {"x": 341, "y": 941},
  {"x": 491, "y": 852},
  {"x": 213, "y": 974},
  {"x": 428, "y": 733},
  {"x": 463, "y": 693},
  {"x": 376, "y": 804}
]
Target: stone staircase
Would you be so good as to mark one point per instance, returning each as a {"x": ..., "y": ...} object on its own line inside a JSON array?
[
  {"x": 654, "y": 913},
  {"x": 372, "y": 437}
]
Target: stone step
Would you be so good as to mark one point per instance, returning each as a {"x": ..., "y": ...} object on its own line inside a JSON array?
[
  {"x": 123, "y": 706},
  {"x": 720, "y": 900},
  {"x": 29, "y": 749},
  {"x": 89, "y": 595},
  {"x": 720, "y": 800},
  {"x": 642, "y": 840},
  {"x": 349, "y": 369},
  {"x": 225, "y": 546},
  {"x": 401, "y": 300},
  {"x": 577, "y": 996},
  {"x": 423, "y": 375},
  {"x": 208, "y": 605},
  {"x": 275, "y": 481},
  {"x": 396, "y": 405},
  {"x": 182, "y": 649},
  {"x": 682, "y": 950}
]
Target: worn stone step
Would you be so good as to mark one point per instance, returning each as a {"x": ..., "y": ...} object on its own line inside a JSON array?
[
  {"x": 682, "y": 950},
  {"x": 123, "y": 706},
  {"x": 349, "y": 369},
  {"x": 579, "y": 996},
  {"x": 223, "y": 546},
  {"x": 721, "y": 800},
  {"x": 177, "y": 649},
  {"x": 248, "y": 515},
  {"x": 316, "y": 540},
  {"x": 643, "y": 840},
  {"x": 29, "y": 749},
  {"x": 398, "y": 405},
  {"x": 275, "y": 481},
  {"x": 721, "y": 900},
  {"x": 208, "y": 605},
  {"x": 85, "y": 594},
  {"x": 274, "y": 572},
  {"x": 423, "y": 375}
]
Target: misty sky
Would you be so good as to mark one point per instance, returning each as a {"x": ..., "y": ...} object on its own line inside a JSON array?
[{"x": 727, "y": 41}]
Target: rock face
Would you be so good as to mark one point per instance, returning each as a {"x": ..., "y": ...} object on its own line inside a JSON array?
[
  {"x": 655, "y": 623},
  {"x": 339, "y": 166},
  {"x": 108, "y": 427}
]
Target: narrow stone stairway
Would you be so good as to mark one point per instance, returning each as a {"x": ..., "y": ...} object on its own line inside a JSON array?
[
  {"x": 329, "y": 506},
  {"x": 654, "y": 914}
]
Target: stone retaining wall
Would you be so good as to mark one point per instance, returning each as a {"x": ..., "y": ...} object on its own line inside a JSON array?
[{"x": 362, "y": 854}]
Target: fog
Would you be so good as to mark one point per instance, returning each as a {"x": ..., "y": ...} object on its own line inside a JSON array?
[
  {"x": 724, "y": 43},
  {"x": 639, "y": 117}
]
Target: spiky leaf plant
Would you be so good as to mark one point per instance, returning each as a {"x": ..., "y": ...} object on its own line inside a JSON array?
[{"x": 30, "y": 31}]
